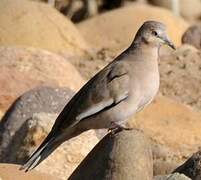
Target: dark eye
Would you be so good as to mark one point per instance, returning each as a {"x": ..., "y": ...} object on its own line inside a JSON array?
[{"x": 154, "y": 33}]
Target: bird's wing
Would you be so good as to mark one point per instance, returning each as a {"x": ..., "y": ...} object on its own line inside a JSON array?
[
  {"x": 107, "y": 92},
  {"x": 106, "y": 89}
]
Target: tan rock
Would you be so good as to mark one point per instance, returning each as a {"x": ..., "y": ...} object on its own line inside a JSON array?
[
  {"x": 181, "y": 76},
  {"x": 27, "y": 123},
  {"x": 1, "y": 114},
  {"x": 115, "y": 29},
  {"x": 12, "y": 172},
  {"x": 64, "y": 159},
  {"x": 13, "y": 83},
  {"x": 68, "y": 156},
  {"x": 188, "y": 9},
  {"x": 174, "y": 128},
  {"x": 170, "y": 123},
  {"x": 35, "y": 24},
  {"x": 25, "y": 68}
]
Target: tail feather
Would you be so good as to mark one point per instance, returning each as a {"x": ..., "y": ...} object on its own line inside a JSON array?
[
  {"x": 51, "y": 142},
  {"x": 40, "y": 154}
]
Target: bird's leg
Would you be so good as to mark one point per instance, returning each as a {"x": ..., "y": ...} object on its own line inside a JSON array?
[{"x": 115, "y": 128}]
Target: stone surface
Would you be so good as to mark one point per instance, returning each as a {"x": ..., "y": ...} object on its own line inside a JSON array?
[
  {"x": 192, "y": 167},
  {"x": 175, "y": 176},
  {"x": 125, "y": 155},
  {"x": 181, "y": 76},
  {"x": 192, "y": 36},
  {"x": 68, "y": 156},
  {"x": 115, "y": 30},
  {"x": 11, "y": 172},
  {"x": 14, "y": 126},
  {"x": 189, "y": 9},
  {"x": 35, "y": 24},
  {"x": 170, "y": 125},
  {"x": 26, "y": 68},
  {"x": 165, "y": 159},
  {"x": 27, "y": 123},
  {"x": 1, "y": 114}
]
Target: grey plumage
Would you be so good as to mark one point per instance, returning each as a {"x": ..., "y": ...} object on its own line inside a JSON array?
[{"x": 117, "y": 92}]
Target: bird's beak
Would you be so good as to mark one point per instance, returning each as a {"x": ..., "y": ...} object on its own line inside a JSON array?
[{"x": 169, "y": 43}]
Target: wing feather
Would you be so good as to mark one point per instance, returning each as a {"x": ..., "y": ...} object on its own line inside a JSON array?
[{"x": 106, "y": 89}]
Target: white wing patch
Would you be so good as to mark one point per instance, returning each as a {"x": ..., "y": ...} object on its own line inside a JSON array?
[{"x": 95, "y": 109}]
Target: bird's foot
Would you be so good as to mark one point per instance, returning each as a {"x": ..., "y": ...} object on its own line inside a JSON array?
[{"x": 115, "y": 128}]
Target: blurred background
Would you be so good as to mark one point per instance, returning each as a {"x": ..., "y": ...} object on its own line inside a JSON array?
[{"x": 50, "y": 48}]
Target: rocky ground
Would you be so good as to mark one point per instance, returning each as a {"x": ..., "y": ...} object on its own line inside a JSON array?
[{"x": 45, "y": 58}]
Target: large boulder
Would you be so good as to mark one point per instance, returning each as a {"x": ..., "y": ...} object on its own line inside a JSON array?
[
  {"x": 35, "y": 24},
  {"x": 122, "y": 156},
  {"x": 13, "y": 128},
  {"x": 27, "y": 123},
  {"x": 181, "y": 76},
  {"x": 11, "y": 171},
  {"x": 26, "y": 68},
  {"x": 116, "y": 29},
  {"x": 170, "y": 125}
]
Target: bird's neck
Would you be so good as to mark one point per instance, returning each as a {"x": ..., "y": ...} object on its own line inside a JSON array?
[{"x": 145, "y": 49}]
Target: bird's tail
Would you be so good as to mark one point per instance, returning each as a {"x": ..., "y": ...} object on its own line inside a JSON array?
[
  {"x": 46, "y": 148},
  {"x": 51, "y": 142}
]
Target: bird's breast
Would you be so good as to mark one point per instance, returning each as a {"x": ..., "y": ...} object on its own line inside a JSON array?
[{"x": 149, "y": 86}]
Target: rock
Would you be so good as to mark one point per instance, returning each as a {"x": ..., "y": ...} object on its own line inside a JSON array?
[
  {"x": 192, "y": 167},
  {"x": 188, "y": 9},
  {"x": 191, "y": 10},
  {"x": 26, "y": 68},
  {"x": 170, "y": 125},
  {"x": 13, "y": 128},
  {"x": 11, "y": 171},
  {"x": 115, "y": 159},
  {"x": 115, "y": 30},
  {"x": 175, "y": 176},
  {"x": 173, "y": 122},
  {"x": 18, "y": 83},
  {"x": 181, "y": 76},
  {"x": 192, "y": 36},
  {"x": 27, "y": 123},
  {"x": 69, "y": 155},
  {"x": 35, "y": 24},
  {"x": 1, "y": 114},
  {"x": 165, "y": 158}
]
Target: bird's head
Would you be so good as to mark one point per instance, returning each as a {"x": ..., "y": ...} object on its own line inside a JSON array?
[{"x": 153, "y": 33}]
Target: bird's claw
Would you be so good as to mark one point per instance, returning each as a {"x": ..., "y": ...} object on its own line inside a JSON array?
[{"x": 117, "y": 128}]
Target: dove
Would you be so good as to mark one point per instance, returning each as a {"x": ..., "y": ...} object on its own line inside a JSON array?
[{"x": 118, "y": 91}]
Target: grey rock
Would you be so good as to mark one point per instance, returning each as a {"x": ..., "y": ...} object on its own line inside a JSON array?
[
  {"x": 175, "y": 176},
  {"x": 125, "y": 155},
  {"x": 192, "y": 167},
  {"x": 13, "y": 125},
  {"x": 192, "y": 36}
]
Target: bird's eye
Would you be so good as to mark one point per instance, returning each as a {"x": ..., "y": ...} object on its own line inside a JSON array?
[{"x": 154, "y": 33}]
